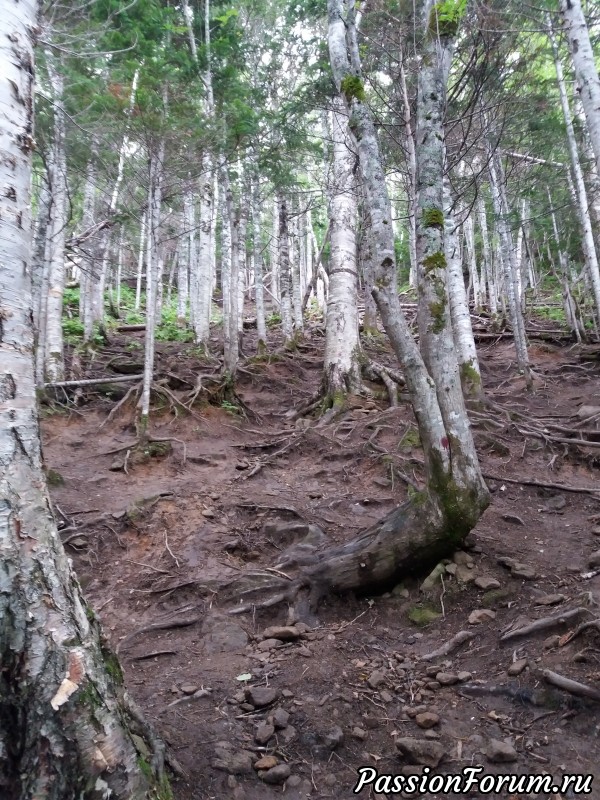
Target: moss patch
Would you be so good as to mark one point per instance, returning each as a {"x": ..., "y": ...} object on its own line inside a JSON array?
[
  {"x": 433, "y": 218},
  {"x": 54, "y": 478},
  {"x": 423, "y": 615},
  {"x": 352, "y": 88},
  {"x": 435, "y": 261}
]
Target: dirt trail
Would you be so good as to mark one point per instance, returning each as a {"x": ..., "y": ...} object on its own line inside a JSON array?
[{"x": 148, "y": 544}]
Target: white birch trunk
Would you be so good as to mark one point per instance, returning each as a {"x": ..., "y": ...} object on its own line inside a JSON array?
[
  {"x": 438, "y": 425},
  {"x": 466, "y": 353},
  {"x": 487, "y": 266},
  {"x": 285, "y": 280},
  {"x": 588, "y": 244},
  {"x": 152, "y": 277},
  {"x": 226, "y": 228},
  {"x": 261, "y": 327},
  {"x": 54, "y": 360},
  {"x": 507, "y": 256},
  {"x": 586, "y": 73},
  {"x": 62, "y": 719},
  {"x": 342, "y": 343},
  {"x": 140, "y": 262}
]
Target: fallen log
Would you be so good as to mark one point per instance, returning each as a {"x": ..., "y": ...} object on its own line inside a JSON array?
[
  {"x": 131, "y": 328},
  {"x": 91, "y": 382}
]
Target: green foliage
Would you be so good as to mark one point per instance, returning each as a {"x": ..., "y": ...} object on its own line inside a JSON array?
[
  {"x": 169, "y": 329},
  {"x": 231, "y": 408},
  {"x": 445, "y": 17}
]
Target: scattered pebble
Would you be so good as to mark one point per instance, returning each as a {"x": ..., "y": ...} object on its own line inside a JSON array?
[{"x": 499, "y": 752}]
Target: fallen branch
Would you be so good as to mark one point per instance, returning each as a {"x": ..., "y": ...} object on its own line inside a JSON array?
[
  {"x": 545, "y": 624},
  {"x": 92, "y": 382},
  {"x": 158, "y": 626},
  {"x": 452, "y": 644},
  {"x": 564, "y": 487},
  {"x": 568, "y": 685}
]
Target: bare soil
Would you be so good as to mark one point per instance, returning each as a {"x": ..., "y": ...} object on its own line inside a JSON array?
[{"x": 149, "y": 545}]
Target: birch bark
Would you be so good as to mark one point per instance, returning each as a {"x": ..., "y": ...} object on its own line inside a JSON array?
[
  {"x": 63, "y": 718},
  {"x": 586, "y": 73},
  {"x": 342, "y": 344}
]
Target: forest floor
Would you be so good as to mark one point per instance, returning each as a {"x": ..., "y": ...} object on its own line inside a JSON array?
[{"x": 353, "y": 689}]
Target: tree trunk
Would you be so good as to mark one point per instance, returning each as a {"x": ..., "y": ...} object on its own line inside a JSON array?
[
  {"x": 583, "y": 208},
  {"x": 54, "y": 357},
  {"x": 342, "y": 344},
  {"x": 63, "y": 713},
  {"x": 586, "y": 73},
  {"x": 285, "y": 280},
  {"x": 456, "y": 494},
  {"x": 466, "y": 353},
  {"x": 261, "y": 327}
]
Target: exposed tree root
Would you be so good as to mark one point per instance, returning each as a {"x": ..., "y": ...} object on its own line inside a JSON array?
[{"x": 412, "y": 537}]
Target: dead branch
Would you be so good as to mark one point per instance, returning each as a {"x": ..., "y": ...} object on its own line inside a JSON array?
[
  {"x": 158, "y": 626},
  {"x": 564, "y": 487},
  {"x": 92, "y": 382},
  {"x": 545, "y": 624},
  {"x": 452, "y": 644},
  {"x": 570, "y": 686}
]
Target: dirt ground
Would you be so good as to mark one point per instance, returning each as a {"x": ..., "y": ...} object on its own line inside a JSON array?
[{"x": 351, "y": 689}]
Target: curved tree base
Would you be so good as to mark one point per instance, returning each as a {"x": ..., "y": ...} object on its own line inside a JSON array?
[{"x": 410, "y": 539}]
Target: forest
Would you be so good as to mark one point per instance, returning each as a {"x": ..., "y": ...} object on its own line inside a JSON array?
[{"x": 299, "y": 428}]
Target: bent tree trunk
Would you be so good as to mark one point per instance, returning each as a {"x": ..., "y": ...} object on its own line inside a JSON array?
[
  {"x": 64, "y": 717},
  {"x": 436, "y": 520}
]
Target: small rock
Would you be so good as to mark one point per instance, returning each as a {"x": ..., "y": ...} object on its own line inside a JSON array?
[
  {"x": 451, "y": 568},
  {"x": 427, "y": 720},
  {"x": 246, "y": 707},
  {"x": 596, "y": 530},
  {"x": 235, "y": 762},
  {"x": 556, "y": 503},
  {"x": 594, "y": 559},
  {"x": 465, "y": 574},
  {"x": 523, "y": 571},
  {"x": 189, "y": 688},
  {"x": 261, "y": 696},
  {"x": 463, "y": 676},
  {"x": 263, "y": 733},
  {"x": 481, "y": 615},
  {"x": 208, "y": 513},
  {"x": 386, "y": 696},
  {"x": 517, "y": 667},
  {"x": 266, "y": 762},
  {"x": 281, "y": 718},
  {"x": 276, "y": 775},
  {"x": 268, "y": 644},
  {"x": 400, "y": 591},
  {"x": 334, "y": 737},
  {"x": 446, "y": 678},
  {"x": 285, "y": 633},
  {"x": 550, "y": 642},
  {"x": 421, "y": 751},
  {"x": 500, "y": 752},
  {"x": 513, "y": 518},
  {"x": 304, "y": 651},
  {"x": 288, "y": 734},
  {"x": 462, "y": 559},
  {"x": 330, "y": 780},
  {"x": 359, "y": 734},
  {"x": 287, "y": 693},
  {"x": 376, "y": 678},
  {"x": 412, "y": 711},
  {"x": 293, "y": 782},
  {"x": 486, "y": 582},
  {"x": 550, "y": 600}
]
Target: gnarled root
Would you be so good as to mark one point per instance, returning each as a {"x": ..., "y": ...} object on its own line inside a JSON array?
[{"x": 412, "y": 537}]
